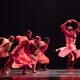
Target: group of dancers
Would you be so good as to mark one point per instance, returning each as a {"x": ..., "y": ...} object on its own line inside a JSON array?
[
  {"x": 27, "y": 53},
  {"x": 30, "y": 52}
]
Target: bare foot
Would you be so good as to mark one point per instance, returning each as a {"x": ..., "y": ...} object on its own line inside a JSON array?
[
  {"x": 34, "y": 71},
  {"x": 23, "y": 73},
  {"x": 4, "y": 72},
  {"x": 45, "y": 69}
]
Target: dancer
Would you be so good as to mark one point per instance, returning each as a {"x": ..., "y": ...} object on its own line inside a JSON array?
[
  {"x": 70, "y": 48},
  {"x": 18, "y": 57},
  {"x": 33, "y": 46},
  {"x": 5, "y": 49},
  {"x": 42, "y": 59},
  {"x": 5, "y": 46}
]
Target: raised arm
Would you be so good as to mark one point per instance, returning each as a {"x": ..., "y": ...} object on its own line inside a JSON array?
[
  {"x": 63, "y": 26},
  {"x": 78, "y": 26}
]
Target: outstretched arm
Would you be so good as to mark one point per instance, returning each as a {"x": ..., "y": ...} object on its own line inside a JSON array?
[
  {"x": 1, "y": 38},
  {"x": 44, "y": 48}
]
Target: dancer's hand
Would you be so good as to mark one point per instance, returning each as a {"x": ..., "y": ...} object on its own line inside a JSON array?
[
  {"x": 57, "y": 50},
  {"x": 79, "y": 29},
  {"x": 69, "y": 21}
]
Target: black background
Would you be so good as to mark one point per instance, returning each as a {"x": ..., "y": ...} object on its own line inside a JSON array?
[{"x": 43, "y": 18}]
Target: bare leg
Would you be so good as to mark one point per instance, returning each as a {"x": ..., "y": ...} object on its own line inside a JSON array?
[
  {"x": 24, "y": 70},
  {"x": 39, "y": 66},
  {"x": 7, "y": 65},
  {"x": 69, "y": 61},
  {"x": 73, "y": 63},
  {"x": 45, "y": 67},
  {"x": 34, "y": 68},
  {"x": 75, "y": 60}
]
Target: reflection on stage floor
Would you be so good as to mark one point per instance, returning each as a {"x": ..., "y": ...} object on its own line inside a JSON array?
[{"x": 15, "y": 74}]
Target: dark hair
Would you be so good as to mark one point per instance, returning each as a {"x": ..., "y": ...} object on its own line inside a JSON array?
[
  {"x": 37, "y": 37},
  {"x": 11, "y": 38},
  {"x": 47, "y": 40},
  {"x": 28, "y": 31}
]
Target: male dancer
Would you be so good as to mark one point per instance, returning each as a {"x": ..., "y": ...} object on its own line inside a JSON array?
[
  {"x": 70, "y": 48},
  {"x": 32, "y": 49}
]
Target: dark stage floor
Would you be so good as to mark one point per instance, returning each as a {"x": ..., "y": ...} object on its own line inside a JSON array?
[{"x": 42, "y": 75}]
